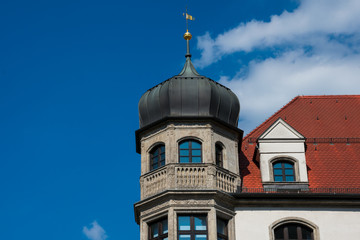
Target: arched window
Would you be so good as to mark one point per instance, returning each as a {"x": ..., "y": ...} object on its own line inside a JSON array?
[
  {"x": 293, "y": 231},
  {"x": 219, "y": 157},
  {"x": 190, "y": 152},
  {"x": 283, "y": 171},
  {"x": 157, "y": 157}
]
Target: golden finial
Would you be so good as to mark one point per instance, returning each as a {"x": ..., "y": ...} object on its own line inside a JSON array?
[{"x": 187, "y": 35}]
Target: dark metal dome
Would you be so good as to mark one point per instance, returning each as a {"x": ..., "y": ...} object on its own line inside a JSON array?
[{"x": 189, "y": 95}]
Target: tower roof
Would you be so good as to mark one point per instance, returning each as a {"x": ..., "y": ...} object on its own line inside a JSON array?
[{"x": 188, "y": 94}]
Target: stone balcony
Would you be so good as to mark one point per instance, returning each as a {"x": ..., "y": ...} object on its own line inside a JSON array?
[{"x": 175, "y": 176}]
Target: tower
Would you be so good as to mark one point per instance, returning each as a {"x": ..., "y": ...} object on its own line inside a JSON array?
[{"x": 189, "y": 144}]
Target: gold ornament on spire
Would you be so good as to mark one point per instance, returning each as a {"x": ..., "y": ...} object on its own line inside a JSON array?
[{"x": 187, "y": 35}]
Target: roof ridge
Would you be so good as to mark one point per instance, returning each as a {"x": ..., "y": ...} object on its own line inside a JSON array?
[
  {"x": 273, "y": 115},
  {"x": 330, "y": 96}
]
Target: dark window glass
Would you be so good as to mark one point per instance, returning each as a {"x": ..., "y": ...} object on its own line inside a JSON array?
[
  {"x": 158, "y": 230},
  {"x": 222, "y": 233},
  {"x": 190, "y": 152},
  {"x": 192, "y": 227},
  {"x": 293, "y": 231},
  {"x": 219, "y": 155},
  {"x": 157, "y": 157},
  {"x": 283, "y": 172}
]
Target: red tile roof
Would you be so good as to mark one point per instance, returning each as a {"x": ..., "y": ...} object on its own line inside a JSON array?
[{"x": 331, "y": 125}]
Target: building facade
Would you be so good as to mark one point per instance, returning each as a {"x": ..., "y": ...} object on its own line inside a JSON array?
[{"x": 296, "y": 176}]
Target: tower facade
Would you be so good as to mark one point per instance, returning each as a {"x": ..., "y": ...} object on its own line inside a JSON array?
[{"x": 189, "y": 145}]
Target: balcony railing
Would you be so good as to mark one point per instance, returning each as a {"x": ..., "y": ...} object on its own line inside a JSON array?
[{"x": 189, "y": 177}]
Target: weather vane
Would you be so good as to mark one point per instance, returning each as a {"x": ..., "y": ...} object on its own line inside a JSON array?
[{"x": 187, "y": 35}]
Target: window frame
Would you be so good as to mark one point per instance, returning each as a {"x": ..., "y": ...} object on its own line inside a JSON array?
[
  {"x": 190, "y": 156},
  {"x": 219, "y": 155},
  {"x": 161, "y": 235},
  {"x": 220, "y": 235},
  {"x": 192, "y": 232},
  {"x": 294, "y": 220},
  {"x": 299, "y": 230},
  {"x": 157, "y": 148},
  {"x": 283, "y": 172}
]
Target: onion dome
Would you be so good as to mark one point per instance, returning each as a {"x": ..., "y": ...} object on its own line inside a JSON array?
[{"x": 188, "y": 95}]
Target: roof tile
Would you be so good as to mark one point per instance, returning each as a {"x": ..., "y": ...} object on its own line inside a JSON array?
[{"x": 331, "y": 163}]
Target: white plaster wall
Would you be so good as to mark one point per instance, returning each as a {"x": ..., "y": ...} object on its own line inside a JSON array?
[
  {"x": 281, "y": 147},
  {"x": 333, "y": 224}
]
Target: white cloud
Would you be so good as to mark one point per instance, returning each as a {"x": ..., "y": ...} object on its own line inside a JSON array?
[
  {"x": 322, "y": 39},
  {"x": 95, "y": 232},
  {"x": 275, "y": 81}
]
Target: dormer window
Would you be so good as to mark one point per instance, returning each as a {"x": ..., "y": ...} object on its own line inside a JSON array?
[
  {"x": 157, "y": 157},
  {"x": 282, "y": 157},
  {"x": 219, "y": 158},
  {"x": 190, "y": 152},
  {"x": 283, "y": 171}
]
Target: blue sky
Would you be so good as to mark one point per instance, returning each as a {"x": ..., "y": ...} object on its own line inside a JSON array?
[{"x": 72, "y": 72}]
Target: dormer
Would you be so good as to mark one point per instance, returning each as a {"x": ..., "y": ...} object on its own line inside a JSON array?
[{"x": 282, "y": 158}]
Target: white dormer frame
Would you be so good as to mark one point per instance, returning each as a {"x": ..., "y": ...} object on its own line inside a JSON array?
[{"x": 281, "y": 141}]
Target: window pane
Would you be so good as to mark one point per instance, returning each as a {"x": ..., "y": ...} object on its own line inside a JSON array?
[
  {"x": 154, "y": 230},
  {"x": 195, "y": 145},
  {"x": 162, "y": 163},
  {"x": 289, "y": 172},
  {"x": 200, "y": 237},
  {"x": 278, "y": 178},
  {"x": 184, "y": 152},
  {"x": 279, "y": 233},
  {"x": 155, "y": 159},
  {"x": 184, "y": 237},
  {"x": 162, "y": 149},
  {"x": 292, "y": 231},
  {"x": 164, "y": 226},
  {"x": 162, "y": 157},
  {"x": 196, "y": 159},
  {"x": 277, "y": 165},
  {"x": 289, "y": 178},
  {"x": 184, "y": 222},
  {"x": 155, "y": 153},
  {"x": 288, "y": 165},
  {"x": 278, "y": 171},
  {"x": 155, "y": 166},
  {"x": 200, "y": 223},
  {"x": 196, "y": 152},
  {"x": 306, "y": 233},
  {"x": 221, "y": 225},
  {"x": 184, "y": 145},
  {"x": 184, "y": 159}
]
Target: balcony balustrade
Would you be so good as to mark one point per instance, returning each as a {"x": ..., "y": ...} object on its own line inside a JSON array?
[{"x": 202, "y": 176}]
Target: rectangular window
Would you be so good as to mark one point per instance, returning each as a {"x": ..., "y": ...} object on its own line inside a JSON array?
[
  {"x": 158, "y": 230},
  {"x": 192, "y": 227},
  {"x": 222, "y": 231}
]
